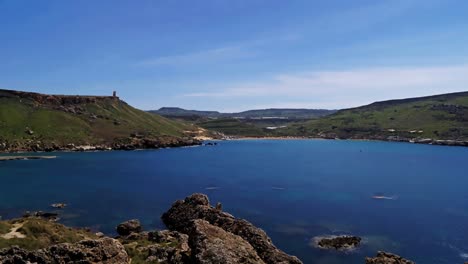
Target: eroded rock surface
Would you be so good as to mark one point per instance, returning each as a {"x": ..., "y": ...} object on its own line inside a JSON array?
[
  {"x": 128, "y": 227},
  {"x": 213, "y": 245},
  {"x": 387, "y": 258},
  {"x": 197, "y": 206},
  {"x": 158, "y": 247},
  {"x": 105, "y": 251}
]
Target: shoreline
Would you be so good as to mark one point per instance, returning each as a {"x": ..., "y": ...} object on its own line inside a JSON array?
[
  {"x": 100, "y": 148},
  {"x": 9, "y": 158},
  {"x": 432, "y": 142}
]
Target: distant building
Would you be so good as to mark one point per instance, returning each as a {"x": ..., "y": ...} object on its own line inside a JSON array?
[{"x": 114, "y": 94}]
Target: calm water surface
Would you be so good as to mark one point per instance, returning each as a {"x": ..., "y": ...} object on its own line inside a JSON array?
[{"x": 294, "y": 189}]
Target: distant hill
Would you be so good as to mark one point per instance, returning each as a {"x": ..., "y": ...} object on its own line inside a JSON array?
[
  {"x": 260, "y": 113},
  {"x": 258, "y": 123},
  {"x": 234, "y": 127},
  {"x": 443, "y": 117},
  {"x": 176, "y": 111},
  {"x": 32, "y": 121}
]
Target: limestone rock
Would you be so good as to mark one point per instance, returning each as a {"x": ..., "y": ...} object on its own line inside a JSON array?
[
  {"x": 128, "y": 227},
  {"x": 197, "y": 206},
  {"x": 160, "y": 247},
  {"x": 387, "y": 258},
  {"x": 105, "y": 251},
  {"x": 339, "y": 242},
  {"x": 213, "y": 245}
]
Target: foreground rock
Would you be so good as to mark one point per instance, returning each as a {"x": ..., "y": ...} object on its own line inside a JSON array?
[
  {"x": 105, "y": 251},
  {"x": 387, "y": 258},
  {"x": 339, "y": 242},
  {"x": 128, "y": 227},
  {"x": 211, "y": 244},
  {"x": 182, "y": 213}
]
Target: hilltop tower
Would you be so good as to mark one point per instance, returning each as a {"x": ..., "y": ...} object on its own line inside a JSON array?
[{"x": 114, "y": 94}]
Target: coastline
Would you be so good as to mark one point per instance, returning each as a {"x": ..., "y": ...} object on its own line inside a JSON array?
[
  {"x": 198, "y": 142},
  {"x": 433, "y": 142},
  {"x": 8, "y": 158},
  {"x": 127, "y": 145}
]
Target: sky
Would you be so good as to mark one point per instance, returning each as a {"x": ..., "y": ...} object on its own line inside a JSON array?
[{"x": 234, "y": 55}]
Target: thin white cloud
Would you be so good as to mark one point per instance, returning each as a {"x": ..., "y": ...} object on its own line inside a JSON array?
[
  {"x": 216, "y": 55},
  {"x": 337, "y": 89}
]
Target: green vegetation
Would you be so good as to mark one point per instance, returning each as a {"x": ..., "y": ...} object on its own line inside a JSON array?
[
  {"x": 26, "y": 117},
  {"x": 4, "y": 227},
  {"x": 437, "y": 117},
  {"x": 138, "y": 251},
  {"x": 40, "y": 233}
]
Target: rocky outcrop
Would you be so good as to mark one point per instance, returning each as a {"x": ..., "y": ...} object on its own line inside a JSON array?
[
  {"x": 339, "y": 242},
  {"x": 158, "y": 247},
  {"x": 387, "y": 258},
  {"x": 182, "y": 213},
  {"x": 105, "y": 251},
  {"x": 128, "y": 227},
  {"x": 130, "y": 143},
  {"x": 213, "y": 245}
]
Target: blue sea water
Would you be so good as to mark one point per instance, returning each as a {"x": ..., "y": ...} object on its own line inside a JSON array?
[{"x": 294, "y": 189}]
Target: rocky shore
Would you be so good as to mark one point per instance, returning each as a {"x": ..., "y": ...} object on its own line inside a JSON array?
[
  {"x": 198, "y": 233},
  {"x": 130, "y": 143},
  {"x": 415, "y": 140},
  {"x": 7, "y": 158}
]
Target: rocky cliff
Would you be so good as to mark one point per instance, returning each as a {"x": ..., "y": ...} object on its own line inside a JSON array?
[{"x": 40, "y": 122}]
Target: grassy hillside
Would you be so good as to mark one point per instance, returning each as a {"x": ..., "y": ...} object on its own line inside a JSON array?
[
  {"x": 437, "y": 117},
  {"x": 26, "y": 117}
]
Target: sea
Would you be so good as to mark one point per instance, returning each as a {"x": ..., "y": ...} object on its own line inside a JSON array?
[{"x": 295, "y": 190}]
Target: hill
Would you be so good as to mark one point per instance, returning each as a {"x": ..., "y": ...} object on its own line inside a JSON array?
[
  {"x": 232, "y": 127},
  {"x": 252, "y": 123},
  {"x": 259, "y": 113},
  {"x": 32, "y": 121},
  {"x": 424, "y": 119},
  {"x": 176, "y": 111}
]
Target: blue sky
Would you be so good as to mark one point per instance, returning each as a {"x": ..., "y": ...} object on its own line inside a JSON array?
[{"x": 233, "y": 55}]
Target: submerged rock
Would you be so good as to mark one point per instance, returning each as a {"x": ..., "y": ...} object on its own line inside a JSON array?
[
  {"x": 128, "y": 227},
  {"x": 43, "y": 215},
  {"x": 387, "y": 258},
  {"x": 182, "y": 213},
  {"x": 105, "y": 251},
  {"x": 339, "y": 242}
]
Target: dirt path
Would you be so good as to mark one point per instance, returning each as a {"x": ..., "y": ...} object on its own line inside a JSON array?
[{"x": 14, "y": 232}]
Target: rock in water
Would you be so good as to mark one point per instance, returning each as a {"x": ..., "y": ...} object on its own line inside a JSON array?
[
  {"x": 128, "y": 227},
  {"x": 213, "y": 245},
  {"x": 105, "y": 251},
  {"x": 339, "y": 242},
  {"x": 197, "y": 206},
  {"x": 387, "y": 258}
]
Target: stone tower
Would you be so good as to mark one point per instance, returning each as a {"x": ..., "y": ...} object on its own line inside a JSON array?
[{"x": 114, "y": 94}]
